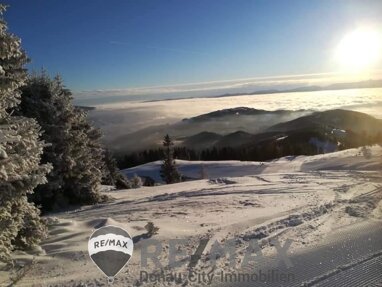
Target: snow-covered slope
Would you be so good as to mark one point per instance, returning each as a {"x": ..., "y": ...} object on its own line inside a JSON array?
[
  {"x": 351, "y": 159},
  {"x": 306, "y": 199}
]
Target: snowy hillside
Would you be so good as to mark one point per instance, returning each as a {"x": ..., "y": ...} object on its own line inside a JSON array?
[{"x": 351, "y": 159}]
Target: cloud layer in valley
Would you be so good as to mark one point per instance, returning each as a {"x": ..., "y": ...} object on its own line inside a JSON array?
[{"x": 123, "y": 118}]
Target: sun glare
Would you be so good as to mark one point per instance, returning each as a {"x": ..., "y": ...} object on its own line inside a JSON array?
[{"x": 359, "y": 50}]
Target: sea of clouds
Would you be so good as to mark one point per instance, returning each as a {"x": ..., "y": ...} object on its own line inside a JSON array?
[{"x": 129, "y": 116}]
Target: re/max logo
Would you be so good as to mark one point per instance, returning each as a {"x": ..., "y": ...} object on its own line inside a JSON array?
[{"x": 110, "y": 242}]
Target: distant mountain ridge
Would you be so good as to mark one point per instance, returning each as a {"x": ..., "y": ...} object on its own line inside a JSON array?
[
  {"x": 313, "y": 88},
  {"x": 206, "y": 129},
  {"x": 337, "y": 86},
  {"x": 325, "y": 126},
  {"x": 202, "y": 140},
  {"x": 238, "y": 111},
  {"x": 338, "y": 118}
]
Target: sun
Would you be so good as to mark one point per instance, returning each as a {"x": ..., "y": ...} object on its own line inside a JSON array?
[{"x": 359, "y": 50}]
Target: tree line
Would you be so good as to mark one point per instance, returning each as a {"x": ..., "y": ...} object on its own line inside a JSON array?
[
  {"x": 293, "y": 145},
  {"x": 257, "y": 153}
]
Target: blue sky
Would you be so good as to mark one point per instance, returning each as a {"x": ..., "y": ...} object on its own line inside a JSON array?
[{"x": 119, "y": 44}]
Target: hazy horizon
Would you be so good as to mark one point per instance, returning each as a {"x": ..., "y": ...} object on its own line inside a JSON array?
[{"x": 216, "y": 89}]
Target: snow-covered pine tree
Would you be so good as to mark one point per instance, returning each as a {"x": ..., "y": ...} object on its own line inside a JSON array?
[
  {"x": 168, "y": 170},
  {"x": 41, "y": 99},
  {"x": 84, "y": 178},
  {"x": 111, "y": 173},
  {"x": 20, "y": 151},
  {"x": 75, "y": 152},
  {"x": 136, "y": 181}
]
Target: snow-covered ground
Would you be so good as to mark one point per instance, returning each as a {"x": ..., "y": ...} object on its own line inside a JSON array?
[
  {"x": 304, "y": 199},
  {"x": 351, "y": 159}
]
